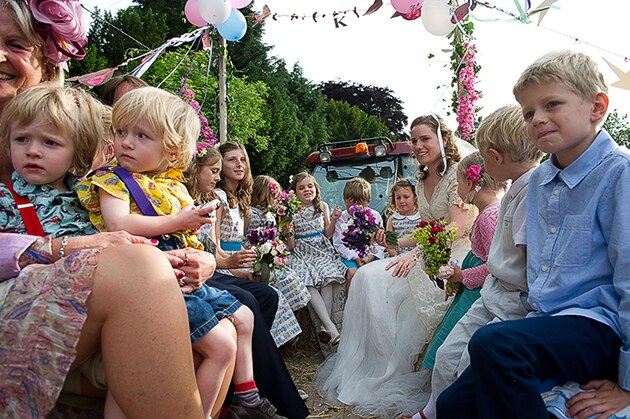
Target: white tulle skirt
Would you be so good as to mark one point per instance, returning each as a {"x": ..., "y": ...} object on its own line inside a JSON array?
[{"x": 387, "y": 324}]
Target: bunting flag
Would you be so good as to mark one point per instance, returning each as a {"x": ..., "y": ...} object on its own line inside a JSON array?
[
  {"x": 624, "y": 76},
  {"x": 94, "y": 79},
  {"x": 102, "y": 76}
]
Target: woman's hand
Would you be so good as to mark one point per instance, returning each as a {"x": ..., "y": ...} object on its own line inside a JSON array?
[
  {"x": 192, "y": 267},
  {"x": 402, "y": 264},
  {"x": 606, "y": 400},
  {"x": 100, "y": 240}
]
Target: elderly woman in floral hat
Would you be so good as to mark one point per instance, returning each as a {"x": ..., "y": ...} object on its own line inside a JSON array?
[{"x": 63, "y": 300}]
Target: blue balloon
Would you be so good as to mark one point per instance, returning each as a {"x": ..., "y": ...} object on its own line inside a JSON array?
[{"x": 234, "y": 28}]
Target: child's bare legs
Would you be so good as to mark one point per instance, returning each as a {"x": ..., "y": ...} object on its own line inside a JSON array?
[
  {"x": 143, "y": 347},
  {"x": 349, "y": 275},
  {"x": 215, "y": 354},
  {"x": 322, "y": 301},
  {"x": 244, "y": 324}
]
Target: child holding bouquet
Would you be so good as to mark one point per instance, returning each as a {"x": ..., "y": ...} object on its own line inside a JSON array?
[
  {"x": 474, "y": 186},
  {"x": 356, "y": 196},
  {"x": 235, "y": 192},
  {"x": 265, "y": 195},
  {"x": 403, "y": 222},
  {"x": 315, "y": 259}
]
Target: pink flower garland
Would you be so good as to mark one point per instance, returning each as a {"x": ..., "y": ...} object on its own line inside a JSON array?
[
  {"x": 466, "y": 94},
  {"x": 206, "y": 134}
]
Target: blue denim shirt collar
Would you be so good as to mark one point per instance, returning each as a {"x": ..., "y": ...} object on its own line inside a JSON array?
[{"x": 573, "y": 174}]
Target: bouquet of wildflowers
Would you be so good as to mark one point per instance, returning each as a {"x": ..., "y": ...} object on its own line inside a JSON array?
[
  {"x": 435, "y": 241},
  {"x": 285, "y": 206},
  {"x": 357, "y": 234},
  {"x": 271, "y": 252}
]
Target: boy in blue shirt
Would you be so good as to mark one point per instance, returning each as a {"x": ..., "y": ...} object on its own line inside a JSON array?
[{"x": 578, "y": 269}]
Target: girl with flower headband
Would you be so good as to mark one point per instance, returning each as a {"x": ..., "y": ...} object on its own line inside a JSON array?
[
  {"x": 235, "y": 192},
  {"x": 316, "y": 261},
  {"x": 272, "y": 377},
  {"x": 287, "y": 281},
  {"x": 404, "y": 220},
  {"x": 474, "y": 186}
]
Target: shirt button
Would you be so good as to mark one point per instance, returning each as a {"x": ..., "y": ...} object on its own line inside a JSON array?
[
  {"x": 544, "y": 268},
  {"x": 556, "y": 192},
  {"x": 554, "y": 230}
]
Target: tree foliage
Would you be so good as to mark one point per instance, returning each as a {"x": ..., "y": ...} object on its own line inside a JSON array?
[
  {"x": 618, "y": 126},
  {"x": 276, "y": 112},
  {"x": 348, "y": 122},
  {"x": 377, "y": 101}
]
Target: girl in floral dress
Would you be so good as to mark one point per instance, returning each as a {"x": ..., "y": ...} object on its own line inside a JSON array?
[
  {"x": 235, "y": 191},
  {"x": 287, "y": 281},
  {"x": 403, "y": 222},
  {"x": 316, "y": 260}
]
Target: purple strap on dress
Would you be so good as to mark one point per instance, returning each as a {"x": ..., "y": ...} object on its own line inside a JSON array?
[{"x": 135, "y": 191}]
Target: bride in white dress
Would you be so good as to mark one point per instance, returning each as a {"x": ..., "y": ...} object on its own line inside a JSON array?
[{"x": 393, "y": 307}]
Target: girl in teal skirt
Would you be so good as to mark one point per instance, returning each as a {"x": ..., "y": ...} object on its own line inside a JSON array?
[{"x": 474, "y": 186}]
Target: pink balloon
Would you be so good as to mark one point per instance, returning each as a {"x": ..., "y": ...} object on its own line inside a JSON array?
[
  {"x": 239, "y": 4},
  {"x": 191, "y": 10},
  {"x": 406, "y": 6}
]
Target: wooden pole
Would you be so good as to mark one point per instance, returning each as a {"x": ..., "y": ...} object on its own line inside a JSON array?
[{"x": 222, "y": 91}]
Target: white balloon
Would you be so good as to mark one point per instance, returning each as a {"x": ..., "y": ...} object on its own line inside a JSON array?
[
  {"x": 215, "y": 11},
  {"x": 436, "y": 17}
]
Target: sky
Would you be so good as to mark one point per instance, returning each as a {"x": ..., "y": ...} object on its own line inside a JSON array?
[{"x": 393, "y": 53}]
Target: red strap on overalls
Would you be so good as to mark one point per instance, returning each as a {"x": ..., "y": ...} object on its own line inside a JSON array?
[{"x": 27, "y": 211}]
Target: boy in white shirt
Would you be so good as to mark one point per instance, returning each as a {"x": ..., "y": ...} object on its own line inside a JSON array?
[{"x": 357, "y": 191}]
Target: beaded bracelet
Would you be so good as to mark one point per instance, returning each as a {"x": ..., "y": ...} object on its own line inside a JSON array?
[{"x": 62, "y": 249}]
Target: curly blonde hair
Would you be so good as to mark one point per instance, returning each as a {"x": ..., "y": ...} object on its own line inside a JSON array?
[
  {"x": 318, "y": 203},
  {"x": 211, "y": 157},
  {"x": 74, "y": 112},
  {"x": 242, "y": 196},
  {"x": 168, "y": 116},
  {"x": 450, "y": 148}
]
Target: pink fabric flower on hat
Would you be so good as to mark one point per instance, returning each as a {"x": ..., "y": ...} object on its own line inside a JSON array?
[{"x": 61, "y": 24}]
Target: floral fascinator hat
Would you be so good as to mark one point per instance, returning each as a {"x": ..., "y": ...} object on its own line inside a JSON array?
[{"x": 60, "y": 23}]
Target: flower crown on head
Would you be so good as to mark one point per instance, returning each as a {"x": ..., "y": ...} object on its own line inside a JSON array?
[
  {"x": 202, "y": 149},
  {"x": 60, "y": 23},
  {"x": 473, "y": 173}
]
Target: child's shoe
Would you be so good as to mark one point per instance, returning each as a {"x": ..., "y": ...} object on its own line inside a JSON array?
[
  {"x": 261, "y": 410},
  {"x": 323, "y": 335}
]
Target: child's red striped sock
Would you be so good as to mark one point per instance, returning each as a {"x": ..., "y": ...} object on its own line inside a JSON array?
[{"x": 247, "y": 392}]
